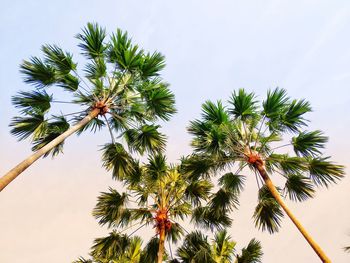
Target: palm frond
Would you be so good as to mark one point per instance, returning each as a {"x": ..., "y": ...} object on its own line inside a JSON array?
[
  {"x": 292, "y": 118},
  {"x": 152, "y": 64},
  {"x": 209, "y": 219},
  {"x": 268, "y": 213},
  {"x": 93, "y": 126},
  {"x": 244, "y": 104},
  {"x": 110, "y": 247},
  {"x": 92, "y": 39},
  {"x": 309, "y": 143},
  {"x": 27, "y": 101},
  {"x": 214, "y": 113},
  {"x": 232, "y": 182},
  {"x": 298, "y": 187},
  {"x": 324, "y": 172},
  {"x": 123, "y": 53},
  {"x": 196, "y": 191},
  {"x": 111, "y": 209},
  {"x": 150, "y": 252},
  {"x": 57, "y": 58},
  {"x": 146, "y": 138},
  {"x": 223, "y": 247},
  {"x": 33, "y": 124},
  {"x": 117, "y": 159},
  {"x": 252, "y": 253},
  {"x": 275, "y": 103},
  {"x": 38, "y": 73},
  {"x": 160, "y": 100}
]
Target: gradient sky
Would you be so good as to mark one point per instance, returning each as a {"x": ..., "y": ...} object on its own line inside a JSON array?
[{"x": 212, "y": 48}]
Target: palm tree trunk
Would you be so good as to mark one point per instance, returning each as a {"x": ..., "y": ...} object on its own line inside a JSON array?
[
  {"x": 161, "y": 244},
  {"x": 19, "y": 168},
  {"x": 277, "y": 196}
]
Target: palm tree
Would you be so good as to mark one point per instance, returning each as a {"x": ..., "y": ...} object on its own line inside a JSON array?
[
  {"x": 196, "y": 248},
  {"x": 251, "y": 136},
  {"x": 160, "y": 195},
  {"x": 121, "y": 89}
]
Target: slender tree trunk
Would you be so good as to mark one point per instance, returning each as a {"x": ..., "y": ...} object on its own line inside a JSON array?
[
  {"x": 161, "y": 244},
  {"x": 19, "y": 168},
  {"x": 277, "y": 196}
]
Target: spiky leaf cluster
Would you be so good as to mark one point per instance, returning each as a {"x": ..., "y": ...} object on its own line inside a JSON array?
[
  {"x": 117, "y": 74},
  {"x": 276, "y": 131}
]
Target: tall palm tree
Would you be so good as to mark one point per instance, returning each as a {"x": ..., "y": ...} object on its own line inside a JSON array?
[
  {"x": 159, "y": 195},
  {"x": 121, "y": 89},
  {"x": 196, "y": 248},
  {"x": 252, "y": 136}
]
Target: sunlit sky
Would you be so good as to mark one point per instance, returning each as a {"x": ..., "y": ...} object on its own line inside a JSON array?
[{"x": 211, "y": 49}]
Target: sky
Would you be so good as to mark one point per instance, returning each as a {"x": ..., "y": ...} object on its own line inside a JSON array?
[{"x": 212, "y": 48}]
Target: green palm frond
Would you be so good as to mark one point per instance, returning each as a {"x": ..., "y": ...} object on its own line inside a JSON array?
[
  {"x": 232, "y": 182},
  {"x": 110, "y": 247},
  {"x": 275, "y": 103},
  {"x": 176, "y": 232},
  {"x": 160, "y": 100},
  {"x": 197, "y": 191},
  {"x": 33, "y": 124},
  {"x": 123, "y": 53},
  {"x": 209, "y": 219},
  {"x": 197, "y": 166},
  {"x": 252, "y": 253},
  {"x": 117, "y": 159},
  {"x": 324, "y": 172},
  {"x": 111, "y": 209},
  {"x": 195, "y": 248},
  {"x": 214, "y": 113},
  {"x": 27, "y": 101},
  {"x": 298, "y": 187},
  {"x": 244, "y": 104},
  {"x": 309, "y": 143},
  {"x": 38, "y": 73},
  {"x": 57, "y": 58},
  {"x": 68, "y": 82},
  {"x": 52, "y": 131},
  {"x": 146, "y": 138},
  {"x": 152, "y": 64},
  {"x": 92, "y": 41},
  {"x": 286, "y": 163},
  {"x": 292, "y": 118},
  {"x": 149, "y": 253},
  {"x": 223, "y": 247},
  {"x": 96, "y": 69},
  {"x": 156, "y": 167},
  {"x": 223, "y": 201},
  {"x": 268, "y": 213}
]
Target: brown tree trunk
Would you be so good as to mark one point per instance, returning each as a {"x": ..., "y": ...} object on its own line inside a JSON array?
[
  {"x": 161, "y": 244},
  {"x": 19, "y": 168},
  {"x": 277, "y": 196}
]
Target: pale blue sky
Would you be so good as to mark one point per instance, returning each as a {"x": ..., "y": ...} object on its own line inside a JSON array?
[{"x": 212, "y": 48}]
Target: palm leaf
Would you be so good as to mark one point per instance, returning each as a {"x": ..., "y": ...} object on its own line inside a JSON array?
[
  {"x": 152, "y": 64},
  {"x": 298, "y": 187},
  {"x": 309, "y": 143},
  {"x": 268, "y": 213},
  {"x": 324, "y": 172},
  {"x": 57, "y": 58},
  {"x": 115, "y": 158},
  {"x": 244, "y": 104},
  {"x": 292, "y": 118},
  {"x": 232, "y": 182},
  {"x": 38, "y": 73},
  {"x": 111, "y": 209},
  {"x": 28, "y": 100},
  {"x": 252, "y": 253},
  {"x": 92, "y": 41}
]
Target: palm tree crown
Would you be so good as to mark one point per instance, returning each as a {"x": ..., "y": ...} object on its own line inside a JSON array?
[
  {"x": 121, "y": 89},
  {"x": 157, "y": 194},
  {"x": 251, "y": 136}
]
